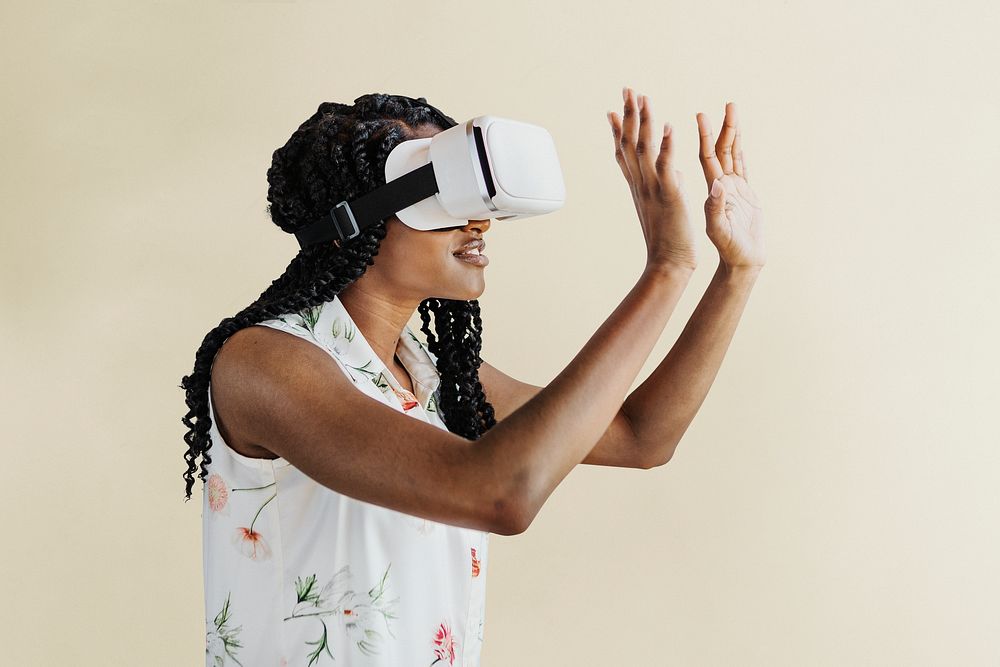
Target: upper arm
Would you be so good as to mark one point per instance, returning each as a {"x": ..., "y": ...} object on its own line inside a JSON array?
[
  {"x": 290, "y": 397},
  {"x": 617, "y": 447}
]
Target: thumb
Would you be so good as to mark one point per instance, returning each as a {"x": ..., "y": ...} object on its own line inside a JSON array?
[{"x": 716, "y": 199}]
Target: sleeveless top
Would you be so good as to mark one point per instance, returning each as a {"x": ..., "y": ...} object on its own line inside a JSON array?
[{"x": 298, "y": 574}]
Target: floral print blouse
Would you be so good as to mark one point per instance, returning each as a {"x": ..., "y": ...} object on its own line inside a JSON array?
[{"x": 298, "y": 574}]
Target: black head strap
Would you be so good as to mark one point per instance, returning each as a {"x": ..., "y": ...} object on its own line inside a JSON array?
[{"x": 346, "y": 220}]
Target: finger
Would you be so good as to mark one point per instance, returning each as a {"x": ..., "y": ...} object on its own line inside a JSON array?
[
  {"x": 706, "y": 152},
  {"x": 616, "y": 137},
  {"x": 665, "y": 160},
  {"x": 738, "y": 154},
  {"x": 616, "y": 132},
  {"x": 724, "y": 146},
  {"x": 630, "y": 130},
  {"x": 644, "y": 146}
]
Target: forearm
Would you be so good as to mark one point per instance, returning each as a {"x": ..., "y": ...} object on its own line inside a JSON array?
[
  {"x": 663, "y": 406},
  {"x": 548, "y": 436}
]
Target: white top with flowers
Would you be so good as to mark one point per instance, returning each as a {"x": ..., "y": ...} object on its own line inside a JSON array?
[{"x": 297, "y": 574}]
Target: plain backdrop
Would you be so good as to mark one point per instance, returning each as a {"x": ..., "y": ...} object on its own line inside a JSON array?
[{"x": 834, "y": 502}]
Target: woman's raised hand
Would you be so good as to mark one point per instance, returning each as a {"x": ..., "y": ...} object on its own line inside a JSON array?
[
  {"x": 733, "y": 215},
  {"x": 657, "y": 188}
]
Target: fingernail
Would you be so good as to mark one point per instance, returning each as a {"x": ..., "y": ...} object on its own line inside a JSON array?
[{"x": 717, "y": 188}]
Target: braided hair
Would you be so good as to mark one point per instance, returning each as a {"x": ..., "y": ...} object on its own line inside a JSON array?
[{"x": 339, "y": 153}]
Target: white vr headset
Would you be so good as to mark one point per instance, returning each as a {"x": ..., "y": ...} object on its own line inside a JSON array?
[{"x": 487, "y": 167}]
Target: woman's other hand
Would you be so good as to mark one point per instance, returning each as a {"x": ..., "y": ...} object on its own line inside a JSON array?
[
  {"x": 657, "y": 187},
  {"x": 734, "y": 217}
]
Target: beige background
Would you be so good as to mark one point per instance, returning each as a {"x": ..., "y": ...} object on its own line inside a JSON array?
[{"x": 835, "y": 501}]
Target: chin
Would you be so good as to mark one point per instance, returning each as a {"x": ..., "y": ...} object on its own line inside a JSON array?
[
  {"x": 471, "y": 296},
  {"x": 462, "y": 294}
]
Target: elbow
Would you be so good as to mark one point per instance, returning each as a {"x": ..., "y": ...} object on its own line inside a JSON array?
[
  {"x": 655, "y": 457},
  {"x": 510, "y": 517},
  {"x": 515, "y": 506}
]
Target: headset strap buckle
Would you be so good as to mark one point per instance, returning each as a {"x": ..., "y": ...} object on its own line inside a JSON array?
[{"x": 342, "y": 215}]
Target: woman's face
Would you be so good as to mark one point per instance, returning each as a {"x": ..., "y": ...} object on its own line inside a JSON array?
[{"x": 423, "y": 263}]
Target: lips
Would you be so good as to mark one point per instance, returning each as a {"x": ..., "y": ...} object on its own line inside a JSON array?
[
  {"x": 473, "y": 258},
  {"x": 471, "y": 247},
  {"x": 472, "y": 252}
]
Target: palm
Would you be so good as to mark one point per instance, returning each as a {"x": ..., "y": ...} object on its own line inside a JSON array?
[
  {"x": 739, "y": 234},
  {"x": 737, "y": 229}
]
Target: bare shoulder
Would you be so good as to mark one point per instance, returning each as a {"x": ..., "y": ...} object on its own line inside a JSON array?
[
  {"x": 237, "y": 366},
  {"x": 252, "y": 346}
]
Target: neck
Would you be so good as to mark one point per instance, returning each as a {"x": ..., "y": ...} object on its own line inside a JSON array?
[{"x": 380, "y": 317}]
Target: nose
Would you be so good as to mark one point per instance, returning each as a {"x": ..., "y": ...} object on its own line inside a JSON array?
[{"x": 481, "y": 225}]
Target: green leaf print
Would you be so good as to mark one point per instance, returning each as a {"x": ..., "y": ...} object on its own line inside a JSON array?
[
  {"x": 304, "y": 590},
  {"x": 376, "y": 592},
  {"x": 321, "y": 645},
  {"x": 369, "y": 645},
  {"x": 382, "y": 382},
  {"x": 341, "y": 327},
  {"x": 310, "y": 316},
  {"x": 337, "y": 598},
  {"x": 293, "y": 320},
  {"x": 223, "y": 641},
  {"x": 364, "y": 369},
  {"x": 377, "y": 378}
]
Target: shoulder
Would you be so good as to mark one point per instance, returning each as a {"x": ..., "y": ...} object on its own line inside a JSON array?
[
  {"x": 261, "y": 346},
  {"x": 247, "y": 342},
  {"x": 252, "y": 359},
  {"x": 260, "y": 369},
  {"x": 236, "y": 370}
]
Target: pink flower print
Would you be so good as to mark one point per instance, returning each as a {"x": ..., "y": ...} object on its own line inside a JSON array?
[
  {"x": 407, "y": 398},
  {"x": 218, "y": 494},
  {"x": 248, "y": 542},
  {"x": 446, "y": 644},
  {"x": 475, "y": 563},
  {"x": 251, "y": 544}
]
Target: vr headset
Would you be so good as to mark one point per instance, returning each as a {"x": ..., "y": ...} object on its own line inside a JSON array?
[{"x": 487, "y": 167}]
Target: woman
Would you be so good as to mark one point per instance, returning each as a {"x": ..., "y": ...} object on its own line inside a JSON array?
[{"x": 352, "y": 479}]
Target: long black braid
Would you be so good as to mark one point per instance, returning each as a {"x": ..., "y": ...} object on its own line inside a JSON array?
[{"x": 339, "y": 153}]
